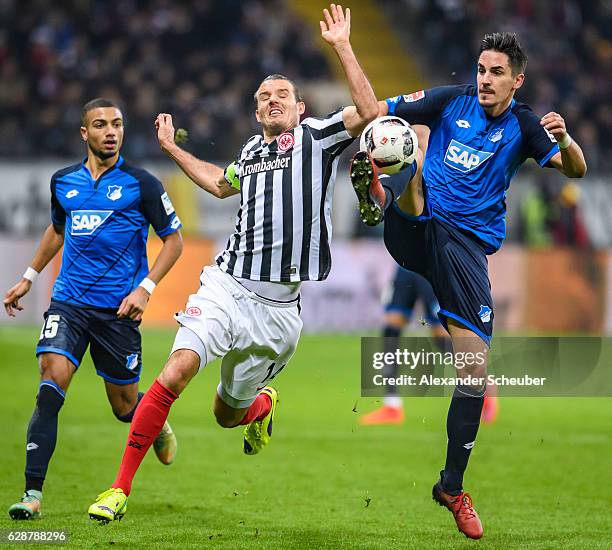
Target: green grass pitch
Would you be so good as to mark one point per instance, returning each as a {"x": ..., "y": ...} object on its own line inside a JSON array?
[{"x": 540, "y": 478}]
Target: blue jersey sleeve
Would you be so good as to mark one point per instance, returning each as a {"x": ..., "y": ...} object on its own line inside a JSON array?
[
  {"x": 157, "y": 206},
  {"x": 424, "y": 106},
  {"x": 58, "y": 214},
  {"x": 538, "y": 144}
]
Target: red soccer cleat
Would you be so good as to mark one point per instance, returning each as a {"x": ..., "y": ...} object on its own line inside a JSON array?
[
  {"x": 383, "y": 415},
  {"x": 462, "y": 509},
  {"x": 368, "y": 188},
  {"x": 490, "y": 409}
]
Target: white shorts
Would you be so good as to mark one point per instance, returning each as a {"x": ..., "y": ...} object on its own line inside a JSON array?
[{"x": 256, "y": 337}]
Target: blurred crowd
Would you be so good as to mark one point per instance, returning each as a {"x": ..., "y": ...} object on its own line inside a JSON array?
[
  {"x": 569, "y": 44},
  {"x": 198, "y": 59}
]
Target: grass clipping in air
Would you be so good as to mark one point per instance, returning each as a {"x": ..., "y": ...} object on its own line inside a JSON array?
[{"x": 181, "y": 136}]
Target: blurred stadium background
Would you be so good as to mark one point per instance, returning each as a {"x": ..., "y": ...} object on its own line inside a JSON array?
[{"x": 201, "y": 60}]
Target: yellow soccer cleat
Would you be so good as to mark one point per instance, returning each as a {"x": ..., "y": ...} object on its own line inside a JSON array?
[
  {"x": 257, "y": 434},
  {"x": 165, "y": 445},
  {"x": 109, "y": 506}
]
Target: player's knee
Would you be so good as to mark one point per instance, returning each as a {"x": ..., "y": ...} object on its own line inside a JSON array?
[
  {"x": 225, "y": 421},
  {"x": 179, "y": 370},
  {"x": 124, "y": 410},
  {"x": 56, "y": 368}
]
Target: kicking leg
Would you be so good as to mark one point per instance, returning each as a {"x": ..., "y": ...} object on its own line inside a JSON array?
[
  {"x": 376, "y": 193},
  {"x": 56, "y": 373}
]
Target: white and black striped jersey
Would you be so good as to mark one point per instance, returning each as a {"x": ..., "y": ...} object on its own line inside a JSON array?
[{"x": 283, "y": 227}]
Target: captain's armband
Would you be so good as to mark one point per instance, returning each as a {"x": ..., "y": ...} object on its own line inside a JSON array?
[{"x": 231, "y": 177}]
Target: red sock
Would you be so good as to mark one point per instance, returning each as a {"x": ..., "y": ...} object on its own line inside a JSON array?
[
  {"x": 258, "y": 409},
  {"x": 148, "y": 421}
]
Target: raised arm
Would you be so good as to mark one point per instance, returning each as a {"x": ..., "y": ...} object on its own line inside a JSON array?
[
  {"x": 570, "y": 158},
  {"x": 206, "y": 175},
  {"x": 336, "y": 30},
  {"x": 50, "y": 244}
]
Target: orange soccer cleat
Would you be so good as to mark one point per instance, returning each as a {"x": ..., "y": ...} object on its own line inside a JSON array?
[
  {"x": 383, "y": 415},
  {"x": 462, "y": 509}
]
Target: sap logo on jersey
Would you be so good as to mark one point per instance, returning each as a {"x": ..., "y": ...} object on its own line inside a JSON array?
[
  {"x": 85, "y": 222},
  {"x": 464, "y": 158}
]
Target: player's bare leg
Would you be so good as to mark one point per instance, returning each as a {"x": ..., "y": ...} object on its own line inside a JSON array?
[
  {"x": 56, "y": 372},
  {"x": 462, "y": 426},
  {"x": 124, "y": 398}
]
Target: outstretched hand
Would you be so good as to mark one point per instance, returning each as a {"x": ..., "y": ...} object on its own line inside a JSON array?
[{"x": 336, "y": 28}]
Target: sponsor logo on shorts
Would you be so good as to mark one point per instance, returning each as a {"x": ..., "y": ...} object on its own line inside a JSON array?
[
  {"x": 193, "y": 311},
  {"x": 285, "y": 141},
  {"x": 132, "y": 361},
  {"x": 279, "y": 163},
  {"x": 464, "y": 158},
  {"x": 85, "y": 222},
  {"x": 114, "y": 192},
  {"x": 168, "y": 207},
  {"x": 485, "y": 313}
]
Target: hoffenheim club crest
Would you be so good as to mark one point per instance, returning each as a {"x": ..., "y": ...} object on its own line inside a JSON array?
[{"x": 114, "y": 192}]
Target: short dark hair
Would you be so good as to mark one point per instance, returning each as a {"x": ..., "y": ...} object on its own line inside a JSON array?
[
  {"x": 278, "y": 76},
  {"x": 97, "y": 103},
  {"x": 508, "y": 43}
]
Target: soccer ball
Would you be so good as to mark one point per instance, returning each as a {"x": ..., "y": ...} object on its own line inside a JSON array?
[{"x": 391, "y": 142}]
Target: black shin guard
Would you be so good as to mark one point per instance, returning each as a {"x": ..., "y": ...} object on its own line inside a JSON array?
[
  {"x": 461, "y": 427},
  {"x": 128, "y": 417},
  {"x": 42, "y": 433}
]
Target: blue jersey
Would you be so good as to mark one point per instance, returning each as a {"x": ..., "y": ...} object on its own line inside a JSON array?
[
  {"x": 106, "y": 225},
  {"x": 472, "y": 157}
]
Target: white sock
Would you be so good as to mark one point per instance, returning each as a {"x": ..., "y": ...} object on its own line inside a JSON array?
[{"x": 394, "y": 401}]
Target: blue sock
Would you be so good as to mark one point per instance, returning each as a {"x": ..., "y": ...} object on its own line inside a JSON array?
[{"x": 42, "y": 433}]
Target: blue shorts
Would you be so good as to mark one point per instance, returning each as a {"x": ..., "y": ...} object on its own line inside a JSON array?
[
  {"x": 114, "y": 343},
  {"x": 452, "y": 260},
  {"x": 408, "y": 288}
]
